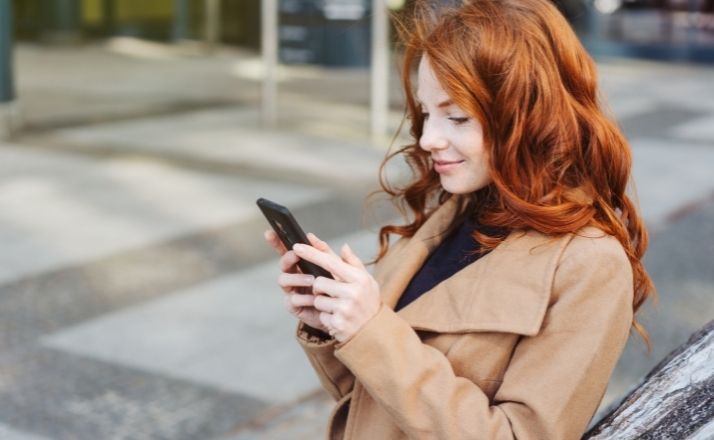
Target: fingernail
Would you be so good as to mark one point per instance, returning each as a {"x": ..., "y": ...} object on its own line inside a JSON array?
[{"x": 309, "y": 279}]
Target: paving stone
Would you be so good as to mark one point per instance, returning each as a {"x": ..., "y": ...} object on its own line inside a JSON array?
[
  {"x": 230, "y": 332},
  {"x": 670, "y": 175},
  {"x": 49, "y": 301},
  {"x": 700, "y": 128},
  {"x": 7, "y": 433},
  {"x": 305, "y": 420},
  {"x": 62, "y": 396},
  {"x": 59, "y": 211},
  {"x": 657, "y": 122}
]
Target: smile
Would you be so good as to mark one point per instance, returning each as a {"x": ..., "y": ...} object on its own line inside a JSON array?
[{"x": 445, "y": 167}]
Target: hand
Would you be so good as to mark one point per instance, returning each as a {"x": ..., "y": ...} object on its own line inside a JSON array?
[
  {"x": 299, "y": 298},
  {"x": 351, "y": 299}
]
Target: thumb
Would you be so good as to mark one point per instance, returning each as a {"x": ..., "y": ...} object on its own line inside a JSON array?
[{"x": 350, "y": 257}]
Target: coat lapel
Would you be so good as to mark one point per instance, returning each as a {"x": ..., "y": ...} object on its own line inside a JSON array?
[
  {"x": 408, "y": 255},
  {"x": 507, "y": 290}
]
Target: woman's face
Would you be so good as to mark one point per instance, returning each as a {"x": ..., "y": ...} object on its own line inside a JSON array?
[{"x": 453, "y": 137}]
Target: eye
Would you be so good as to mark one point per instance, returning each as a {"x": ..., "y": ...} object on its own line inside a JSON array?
[{"x": 459, "y": 121}]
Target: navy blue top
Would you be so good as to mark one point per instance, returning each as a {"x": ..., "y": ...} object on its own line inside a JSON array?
[{"x": 457, "y": 251}]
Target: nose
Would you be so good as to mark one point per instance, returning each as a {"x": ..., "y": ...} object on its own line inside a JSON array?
[{"x": 432, "y": 138}]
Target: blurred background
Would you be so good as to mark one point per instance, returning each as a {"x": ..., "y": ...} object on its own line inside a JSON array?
[{"x": 137, "y": 297}]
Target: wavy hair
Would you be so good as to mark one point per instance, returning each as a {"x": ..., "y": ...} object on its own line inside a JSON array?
[{"x": 558, "y": 162}]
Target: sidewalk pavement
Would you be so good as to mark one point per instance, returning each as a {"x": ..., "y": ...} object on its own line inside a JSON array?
[{"x": 136, "y": 295}]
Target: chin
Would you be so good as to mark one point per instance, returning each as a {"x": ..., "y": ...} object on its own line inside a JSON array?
[
  {"x": 461, "y": 187},
  {"x": 456, "y": 190}
]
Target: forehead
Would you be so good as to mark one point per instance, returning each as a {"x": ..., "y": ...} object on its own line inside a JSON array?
[{"x": 428, "y": 87}]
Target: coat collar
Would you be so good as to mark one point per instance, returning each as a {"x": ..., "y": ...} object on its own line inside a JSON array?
[{"x": 507, "y": 290}]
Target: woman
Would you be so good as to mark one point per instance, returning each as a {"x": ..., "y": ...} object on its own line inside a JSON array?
[{"x": 504, "y": 306}]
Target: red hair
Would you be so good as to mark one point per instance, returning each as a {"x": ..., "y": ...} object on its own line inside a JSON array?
[{"x": 558, "y": 163}]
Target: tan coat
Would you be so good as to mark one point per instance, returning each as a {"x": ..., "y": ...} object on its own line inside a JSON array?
[{"x": 519, "y": 344}]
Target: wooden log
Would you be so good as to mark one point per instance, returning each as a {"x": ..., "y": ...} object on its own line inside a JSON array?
[{"x": 674, "y": 401}]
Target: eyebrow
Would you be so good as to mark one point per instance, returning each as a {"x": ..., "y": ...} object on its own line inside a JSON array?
[{"x": 442, "y": 104}]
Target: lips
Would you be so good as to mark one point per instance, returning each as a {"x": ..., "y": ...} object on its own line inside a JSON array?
[
  {"x": 444, "y": 166},
  {"x": 446, "y": 162}
]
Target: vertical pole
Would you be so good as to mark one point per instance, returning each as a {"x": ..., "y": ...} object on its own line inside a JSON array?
[
  {"x": 63, "y": 21},
  {"x": 269, "y": 49},
  {"x": 108, "y": 17},
  {"x": 379, "y": 100},
  {"x": 7, "y": 87},
  {"x": 181, "y": 20},
  {"x": 692, "y": 31},
  {"x": 8, "y": 111},
  {"x": 212, "y": 23}
]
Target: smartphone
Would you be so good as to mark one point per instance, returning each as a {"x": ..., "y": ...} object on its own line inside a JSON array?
[{"x": 289, "y": 232}]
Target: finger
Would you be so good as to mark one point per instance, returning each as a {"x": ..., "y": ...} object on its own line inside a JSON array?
[
  {"x": 288, "y": 281},
  {"x": 310, "y": 316},
  {"x": 297, "y": 300},
  {"x": 288, "y": 262},
  {"x": 329, "y": 262},
  {"x": 333, "y": 288},
  {"x": 319, "y": 244},
  {"x": 325, "y": 303},
  {"x": 350, "y": 257},
  {"x": 326, "y": 319},
  {"x": 298, "y": 310},
  {"x": 293, "y": 309},
  {"x": 272, "y": 238},
  {"x": 289, "y": 305}
]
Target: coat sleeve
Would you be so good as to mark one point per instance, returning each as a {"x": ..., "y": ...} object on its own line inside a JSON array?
[
  {"x": 319, "y": 348},
  {"x": 553, "y": 384}
]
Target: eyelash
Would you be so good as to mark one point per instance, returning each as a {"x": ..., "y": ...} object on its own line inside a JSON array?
[{"x": 458, "y": 121}]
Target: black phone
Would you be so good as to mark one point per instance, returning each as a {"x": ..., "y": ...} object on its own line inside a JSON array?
[{"x": 289, "y": 232}]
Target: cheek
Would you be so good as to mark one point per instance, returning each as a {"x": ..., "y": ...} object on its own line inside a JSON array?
[
  {"x": 476, "y": 177},
  {"x": 477, "y": 171},
  {"x": 477, "y": 158},
  {"x": 473, "y": 150}
]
